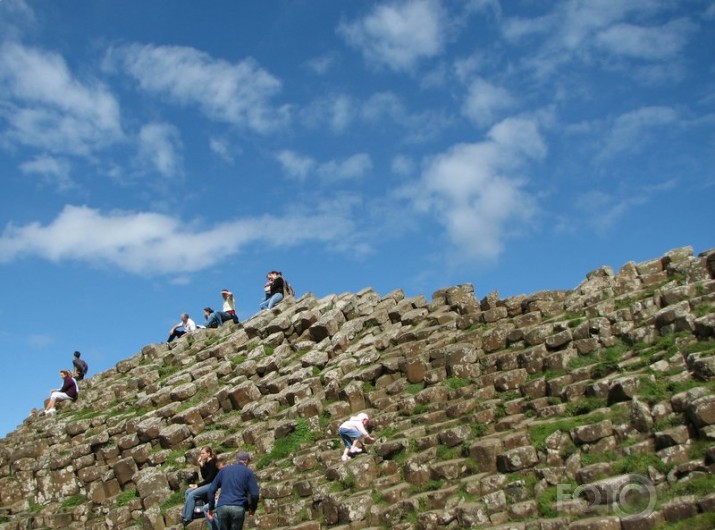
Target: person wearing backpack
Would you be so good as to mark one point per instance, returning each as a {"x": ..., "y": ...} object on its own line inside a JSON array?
[
  {"x": 80, "y": 367},
  {"x": 276, "y": 292}
]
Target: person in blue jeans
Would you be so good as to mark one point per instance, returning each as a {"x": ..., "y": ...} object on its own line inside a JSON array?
[
  {"x": 208, "y": 470},
  {"x": 275, "y": 293},
  {"x": 239, "y": 494}
]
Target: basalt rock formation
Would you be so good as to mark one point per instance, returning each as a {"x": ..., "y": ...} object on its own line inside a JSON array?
[{"x": 592, "y": 408}]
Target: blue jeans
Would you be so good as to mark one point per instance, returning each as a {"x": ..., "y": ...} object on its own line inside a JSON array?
[
  {"x": 231, "y": 517},
  {"x": 190, "y": 500},
  {"x": 213, "y": 523},
  {"x": 348, "y": 436},
  {"x": 270, "y": 302}
]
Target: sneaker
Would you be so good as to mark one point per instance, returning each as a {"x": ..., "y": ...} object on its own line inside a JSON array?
[
  {"x": 355, "y": 450},
  {"x": 345, "y": 458},
  {"x": 50, "y": 411}
]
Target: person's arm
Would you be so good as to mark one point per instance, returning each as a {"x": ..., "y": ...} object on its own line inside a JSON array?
[
  {"x": 208, "y": 472},
  {"x": 66, "y": 385},
  {"x": 253, "y": 490}
]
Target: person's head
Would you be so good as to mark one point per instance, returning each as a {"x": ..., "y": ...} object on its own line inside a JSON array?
[
  {"x": 65, "y": 374},
  {"x": 225, "y": 293},
  {"x": 243, "y": 458},
  {"x": 364, "y": 418},
  {"x": 77, "y": 354},
  {"x": 184, "y": 317},
  {"x": 208, "y": 311},
  {"x": 207, "y": 453},
  {"x": 221, "y": 461}
]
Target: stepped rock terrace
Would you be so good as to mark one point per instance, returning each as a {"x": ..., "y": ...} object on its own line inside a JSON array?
[{"x": 535, "y": 412}]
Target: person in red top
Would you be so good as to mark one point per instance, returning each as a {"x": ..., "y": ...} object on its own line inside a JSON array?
[{"x": 69, "y": 390}]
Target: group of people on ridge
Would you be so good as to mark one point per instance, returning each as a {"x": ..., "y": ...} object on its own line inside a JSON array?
[
  {"x": 238, "y": 486},
  {"x": 275, "y": 290}
]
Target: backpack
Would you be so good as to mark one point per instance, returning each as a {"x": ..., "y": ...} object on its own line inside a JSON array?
[
  {"x": 287, "y": 289},
  {"x": 85, "y": 367}
]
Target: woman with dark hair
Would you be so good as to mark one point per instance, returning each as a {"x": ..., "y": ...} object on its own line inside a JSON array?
[
  {"x": 208, "y": 470},
  {"x": 275, "y": 294}
]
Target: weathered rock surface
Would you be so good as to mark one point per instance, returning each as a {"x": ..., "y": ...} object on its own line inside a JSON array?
[{"x": 533, "y": 412}]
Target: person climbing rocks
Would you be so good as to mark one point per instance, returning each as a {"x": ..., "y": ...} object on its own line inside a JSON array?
[{"x": 354, "y": 433}]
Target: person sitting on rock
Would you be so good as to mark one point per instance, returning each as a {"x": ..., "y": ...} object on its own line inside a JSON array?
[
  {"x": 208, "y": 469},
  {"x": 69, "y": 390},
  {"x": 182, "y": 328},
  {"x": 353, "y": 433},
  {"x": 215, "y": 319},
  {"x": 275, "y": 294}
]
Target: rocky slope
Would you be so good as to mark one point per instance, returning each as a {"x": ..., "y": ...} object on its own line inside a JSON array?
[{"x": 592, "y": 408}]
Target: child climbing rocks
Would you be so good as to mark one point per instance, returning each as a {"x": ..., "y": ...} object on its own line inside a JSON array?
[{"x": 353, "y": 433}]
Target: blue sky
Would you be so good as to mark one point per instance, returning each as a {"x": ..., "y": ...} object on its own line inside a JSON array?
[{"x": 153, "y": 153}]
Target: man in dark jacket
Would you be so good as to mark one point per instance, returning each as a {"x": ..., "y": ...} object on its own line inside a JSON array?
[{"x": 239, "y": 493}]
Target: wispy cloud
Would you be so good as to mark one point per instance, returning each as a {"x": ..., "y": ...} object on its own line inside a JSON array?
[
  {"x": 237, "y": 93},
  {"x": 301, "y": 166},
  {"x": 149, "y": 244},
  {"x": 160, "y": 148},
  {"x": 55, "y": 170},
  {"x": 485, "y": 101},
  {"x": 633, "y": 130},
  {"x": 46, "y": 107},
  {"x": 476, "y": 191},
  {"x": 398, "y": 35}
]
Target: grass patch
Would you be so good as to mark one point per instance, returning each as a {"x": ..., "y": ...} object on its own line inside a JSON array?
[
  {"x": 414, "y": 388},
  {"x": 540, "y": 432},
  {"x": 546, "y": 501},
  {"x": 74, "y": 500},
  {"x": 698, "y": 486},
  {"x": 585, "y": 406},
  {"x": 168, "y": 370},
  {"x": 289, "y": 444},
  {"x": 126, "y": 497},
  {"x": 702, "y": 521},
  {"x": 454, "y": 383},
  {"x": 237, "y": 359},
  {"x": 176, "y": 499},
  {"x": 639, "y": 463}
]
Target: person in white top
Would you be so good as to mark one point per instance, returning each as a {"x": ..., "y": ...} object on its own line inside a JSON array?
[
  {"x": 182, "y": 328},
  {"x": 353, "y": 433}
]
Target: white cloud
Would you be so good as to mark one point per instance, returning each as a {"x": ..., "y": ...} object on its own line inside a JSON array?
[
  {"x": 476, "y": 190},
  {"x": 337, "y": 111},
  {"x": 351, "y": 168},
  {"x": 301, "y": 166},
  {"x": 223, "y": 149},
  {"x": 321, "y": 65},
  {"x": 632, "y": 130},
  {"x": 296, "y": 165},
  {"x": 46, "y": 107},
  {"x": 402, "y": 165},
  {"x": 160, "y": 147},
  {"x": 485, "y": 101},
  {"x": 651, "y": 43},
  {"x": 53, "y": 169},
  {"x": 236, "y": 93},
  {"x": 579, "y": 30},
  {"x": 150, "y": 244},
  {"x": 398, "y": 34}
]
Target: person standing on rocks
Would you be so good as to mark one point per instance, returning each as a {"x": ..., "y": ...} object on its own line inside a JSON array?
[
  {"x": 353, "y": 433},
  {"x": 208, "y": 470},
  {"x": 239, "y": 494},
  {"x": 80, "y": 367}
]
